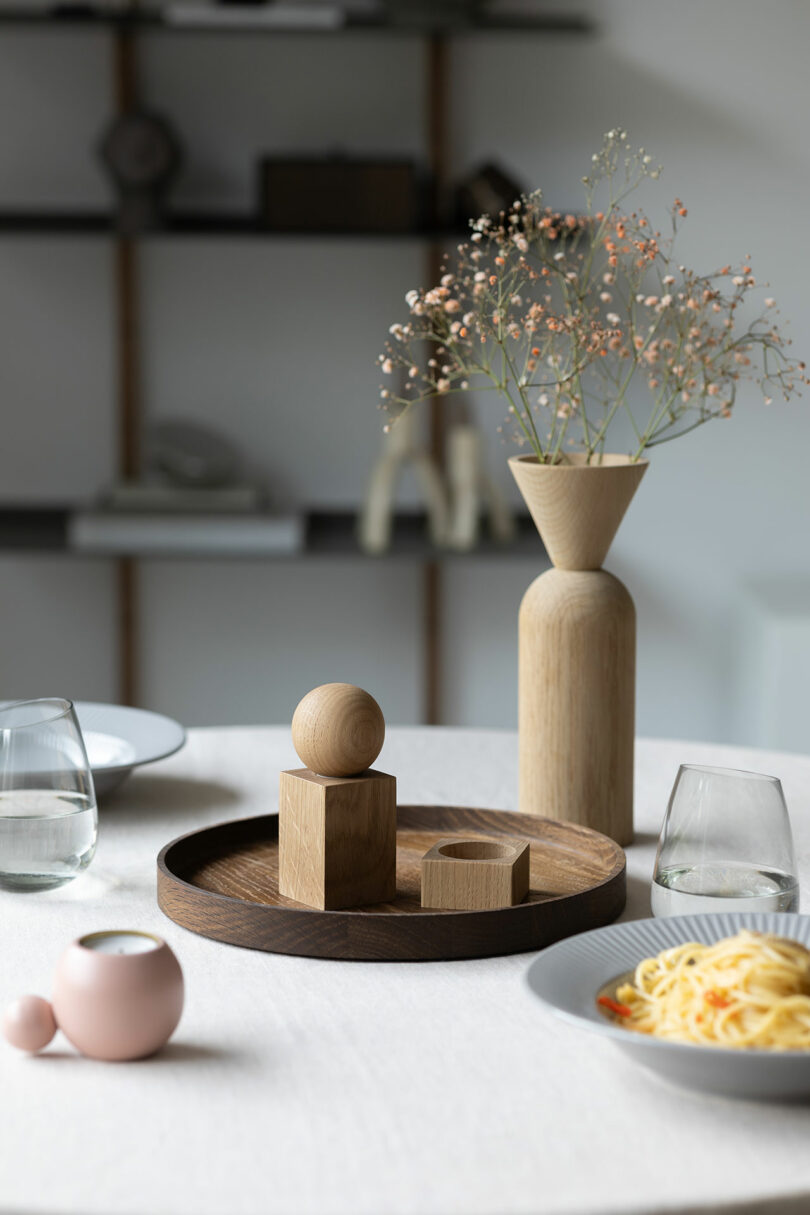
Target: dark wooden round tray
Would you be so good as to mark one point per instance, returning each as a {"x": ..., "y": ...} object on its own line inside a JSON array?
[{"x": 222, "y": 882}]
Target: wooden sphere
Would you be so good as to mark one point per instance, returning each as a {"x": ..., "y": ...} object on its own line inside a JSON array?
[{"x": 338, "y": 730}]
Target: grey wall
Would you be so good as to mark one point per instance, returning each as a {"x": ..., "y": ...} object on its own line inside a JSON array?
[{"x": 275, "y": 343}]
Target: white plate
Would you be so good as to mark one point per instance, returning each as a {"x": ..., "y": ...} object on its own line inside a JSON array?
[
  {"x": 568, "y": 977},
  {"x": 119, "y": 739}
]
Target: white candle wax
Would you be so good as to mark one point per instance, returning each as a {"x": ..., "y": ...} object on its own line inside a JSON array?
[{"x": 120, "y": 942}]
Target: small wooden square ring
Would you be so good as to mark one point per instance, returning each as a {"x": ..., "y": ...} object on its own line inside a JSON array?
[{"x": 475, "y": 874}]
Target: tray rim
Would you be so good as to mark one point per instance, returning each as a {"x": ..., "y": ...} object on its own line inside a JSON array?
[
  {"x": 438, "y": 913},
  {"x": 275, "y": 922}
]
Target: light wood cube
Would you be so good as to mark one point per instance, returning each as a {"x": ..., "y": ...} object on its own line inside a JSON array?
[
  {"x": 475, "y": 875},
  {"x": 337, "y": 839}
]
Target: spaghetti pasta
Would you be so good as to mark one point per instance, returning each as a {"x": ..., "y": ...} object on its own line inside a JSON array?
[{"x": 750, "y": 991}]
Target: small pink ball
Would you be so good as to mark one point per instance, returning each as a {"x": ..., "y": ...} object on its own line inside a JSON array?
[{"x": 29, "y": 1023}]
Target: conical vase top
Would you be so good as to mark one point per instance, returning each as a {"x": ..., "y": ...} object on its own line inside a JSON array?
[{"x": 576, "y": 506}]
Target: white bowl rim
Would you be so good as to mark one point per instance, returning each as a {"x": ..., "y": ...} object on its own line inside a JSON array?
[{"x": 149, "y": 755}]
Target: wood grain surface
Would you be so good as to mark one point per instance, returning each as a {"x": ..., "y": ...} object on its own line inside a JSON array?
[
  {"x": 468, "y": 875},
  {"x": 577, "y": 506},
  {"x": 338, "y": 729},
  {"x": 337, "y": 838},
  {"x": 577, "y": 647},
  {"x": 576, "y": 700},
  {"x": 222, "y": 882}
]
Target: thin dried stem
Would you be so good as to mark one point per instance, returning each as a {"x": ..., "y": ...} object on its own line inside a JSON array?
[{"x": 589, "y": 309}]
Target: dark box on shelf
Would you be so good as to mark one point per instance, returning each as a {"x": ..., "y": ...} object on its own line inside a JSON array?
[{"x": 339, "y": 195}]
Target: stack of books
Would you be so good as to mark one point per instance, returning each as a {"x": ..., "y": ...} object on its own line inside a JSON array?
[{"x": 142, "y": 519}]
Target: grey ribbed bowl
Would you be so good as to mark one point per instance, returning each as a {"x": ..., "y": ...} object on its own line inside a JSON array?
[{"x": 568, "y": 977}]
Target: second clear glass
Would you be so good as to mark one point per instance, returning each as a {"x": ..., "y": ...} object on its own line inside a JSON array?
[
  {"x": 726, "y": 845},
  {"x": 48, "y": 814}
]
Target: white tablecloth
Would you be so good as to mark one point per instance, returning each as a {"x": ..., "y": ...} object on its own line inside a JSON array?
[{"x": 297, "y": 1085}]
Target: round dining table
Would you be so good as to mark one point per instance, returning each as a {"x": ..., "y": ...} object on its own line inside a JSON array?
[{"x": 300, "y": 1085}]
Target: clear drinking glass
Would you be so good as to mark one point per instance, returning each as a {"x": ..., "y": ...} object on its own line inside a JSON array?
[
  {"x": 726, "y": 845},
  {"x": 48, "y": 815}
]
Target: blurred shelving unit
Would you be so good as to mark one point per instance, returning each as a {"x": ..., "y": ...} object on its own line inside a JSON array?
[
  {"x": 332, "y": 535},
  {"x": 326, "y": 534},
  {"x": 250, "y": 19},
  {"x": 100, "y": 223}
]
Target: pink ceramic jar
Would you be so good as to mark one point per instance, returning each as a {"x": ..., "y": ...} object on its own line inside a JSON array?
[{"x": 118, "y": 995}]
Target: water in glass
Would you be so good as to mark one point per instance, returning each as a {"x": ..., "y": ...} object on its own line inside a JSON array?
[
  {"x": 692, "y": 889},
  {"x": 726, "y": 845},
  {"x": 48, "y": 816},
  {"x": 46, "y": 838}
]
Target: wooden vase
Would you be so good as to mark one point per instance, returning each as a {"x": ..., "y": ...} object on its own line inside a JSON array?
[{"x": 577, "y": 646}]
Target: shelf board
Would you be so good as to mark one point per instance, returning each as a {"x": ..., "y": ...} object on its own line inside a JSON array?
[
  {"x": 34, "y": 530},
  {"x": 84, "y": 17},
  {"x": 335, "y": 534},
  {"x": 189, "y": 224}
]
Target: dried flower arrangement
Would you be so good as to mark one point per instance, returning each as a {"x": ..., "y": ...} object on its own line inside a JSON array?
[{"x": 564, "y": 315}]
